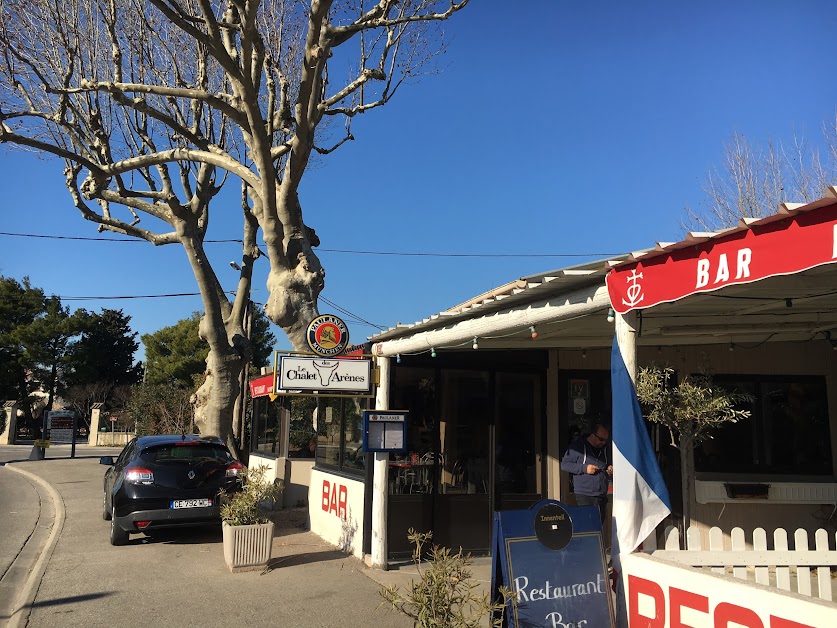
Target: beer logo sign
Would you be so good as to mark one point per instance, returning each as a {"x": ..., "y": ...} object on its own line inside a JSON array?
[{"x": 327, "y": 335}]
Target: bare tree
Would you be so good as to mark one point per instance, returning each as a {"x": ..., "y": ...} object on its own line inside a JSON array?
[
  {"x": 753, "y": 181},
  {"x": 154, "y": 104}
]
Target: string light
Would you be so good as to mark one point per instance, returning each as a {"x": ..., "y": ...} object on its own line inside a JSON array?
[
  {"x": 398, "y": 358},
  {"x": 611, "y": 315},
  {"x": 476, "y": 345},
  {"x": 433, "y": 352},
  {"x": 584, "y": 353},
  {"x": 533, "y": 331},
  {"x": 731, "y": 347}
]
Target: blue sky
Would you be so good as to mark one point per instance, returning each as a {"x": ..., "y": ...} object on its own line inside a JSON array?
[{"x": 559, "y": 128}]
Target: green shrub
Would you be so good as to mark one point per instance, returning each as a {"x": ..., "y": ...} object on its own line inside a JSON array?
[
  {"x": 445, "y": 594},
  {"x": 247, "y": 506}
]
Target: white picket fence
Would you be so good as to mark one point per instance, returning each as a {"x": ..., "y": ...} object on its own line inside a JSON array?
[{"x": 780, "y": 566}]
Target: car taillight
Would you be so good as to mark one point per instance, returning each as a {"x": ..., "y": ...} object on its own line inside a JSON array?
[
  {"x": 235, "y": 469},
  {"x": 142, "y": 525},
  {"x": 138, "y": 475}
]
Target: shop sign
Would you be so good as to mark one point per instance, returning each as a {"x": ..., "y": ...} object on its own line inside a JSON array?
[
  {"x": 335, "y": 497},
  {"x": 781, "y": 247},
  {"x": 261, "y": 386},
  {"x": 327, "y": 335},
  {"x": 660, "y": 594},
  {"x": 552, "y": 556},
  {"x": 324, "y": 375}
]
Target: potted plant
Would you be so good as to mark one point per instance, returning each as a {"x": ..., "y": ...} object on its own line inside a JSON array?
[{"x": 247, "y": 528}]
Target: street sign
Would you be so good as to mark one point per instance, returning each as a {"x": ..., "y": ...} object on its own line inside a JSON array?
[{"x": 113, "y": 419}]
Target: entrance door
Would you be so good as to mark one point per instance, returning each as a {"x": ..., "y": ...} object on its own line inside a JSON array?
[
  {"x": 462, "y": 517},
  {"x": 518, "y": 480}
]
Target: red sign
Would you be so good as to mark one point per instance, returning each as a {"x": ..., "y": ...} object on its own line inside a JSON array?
[
  {"x": 724, "y": 614},
  {"x": 780, "y": 247},
  {"x": 261, "y": 386}
]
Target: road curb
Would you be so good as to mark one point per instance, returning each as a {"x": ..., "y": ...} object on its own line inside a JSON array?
[{"x": 20, "y": 615}]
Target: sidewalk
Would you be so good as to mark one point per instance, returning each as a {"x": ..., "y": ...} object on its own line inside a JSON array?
[{"x": 178, "y": 577}]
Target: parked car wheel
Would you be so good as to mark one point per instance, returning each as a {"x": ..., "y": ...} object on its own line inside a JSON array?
[
  {"x": 118, "y": 536},
  {"x": 106, "y": 515}
]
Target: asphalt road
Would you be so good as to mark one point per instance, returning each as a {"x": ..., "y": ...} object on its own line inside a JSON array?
[
  {"x": 178, "y": 578},
  {"x": 19, "y": 509}
]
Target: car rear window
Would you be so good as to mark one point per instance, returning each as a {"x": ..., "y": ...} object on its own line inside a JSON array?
[{"x": 188, "y": 453}]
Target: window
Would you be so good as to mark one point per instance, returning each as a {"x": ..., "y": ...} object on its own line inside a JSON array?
[
  {"x": 339, "y": 427},
  {"x": 786, "y": 434},
  {"x": 267, "y": 426}
]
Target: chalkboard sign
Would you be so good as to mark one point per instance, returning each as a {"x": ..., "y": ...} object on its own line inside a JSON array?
[{"x": 553, "y": 557}]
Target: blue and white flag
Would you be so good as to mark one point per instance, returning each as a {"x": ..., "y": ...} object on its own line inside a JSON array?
[{"x": 640, "y": 496}]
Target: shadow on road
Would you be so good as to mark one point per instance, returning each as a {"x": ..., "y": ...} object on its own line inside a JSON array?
[
  {"x": 304, "y": 559},
  {"x": 71, "y": 599},
  {"x": 180, "y": 536}
]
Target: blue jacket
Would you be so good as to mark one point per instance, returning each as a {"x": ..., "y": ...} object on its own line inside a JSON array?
[{"x": 575, "y": 461}]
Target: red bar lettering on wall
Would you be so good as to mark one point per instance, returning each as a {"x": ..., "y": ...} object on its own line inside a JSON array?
[
  {"x": 640, "y": 586},
  {"x": 726, "y": 614},
  {"x": 332, "y": 507},
  {"x": 341, "y": 502},
  {"x": 677, "y": 599},
  {"x": 326, "y": 494},
  {"x": 779, "y": 622}
]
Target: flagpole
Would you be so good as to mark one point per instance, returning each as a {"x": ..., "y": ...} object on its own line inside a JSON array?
[{"x": 626, "y": 325}]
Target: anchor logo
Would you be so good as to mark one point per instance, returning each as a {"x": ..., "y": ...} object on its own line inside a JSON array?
[{"x": 634, "y": 290}]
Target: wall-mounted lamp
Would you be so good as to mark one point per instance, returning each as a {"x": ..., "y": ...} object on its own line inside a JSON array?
[
  {"x": 611, "y": 315},
  {"x": 476, "y": 345},
  {"x": 533, "y": 331}
]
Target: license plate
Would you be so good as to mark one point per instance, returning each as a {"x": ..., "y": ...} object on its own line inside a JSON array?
[{"x": 191, "y": 503}]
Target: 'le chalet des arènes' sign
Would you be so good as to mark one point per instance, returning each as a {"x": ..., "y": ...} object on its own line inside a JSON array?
[{"x": 779, "y": 247}]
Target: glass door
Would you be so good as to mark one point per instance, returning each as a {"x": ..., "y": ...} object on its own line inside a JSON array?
[
  {"x": 462, "y": 514},
  {"x": 518, "y": 478}
]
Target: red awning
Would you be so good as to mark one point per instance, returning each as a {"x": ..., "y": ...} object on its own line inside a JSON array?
[{"x": 783, "y": 244}]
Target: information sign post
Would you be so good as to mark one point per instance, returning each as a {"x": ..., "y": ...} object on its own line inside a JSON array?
[{"x": 384, "y": 430}]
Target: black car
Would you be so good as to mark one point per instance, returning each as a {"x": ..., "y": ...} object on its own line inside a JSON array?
[{"x": 167, "y": 481}]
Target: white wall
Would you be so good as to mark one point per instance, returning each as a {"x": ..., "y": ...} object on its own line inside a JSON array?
[
  {"x": 335, "y": 508},
  {"x": 659, "y": 594}
]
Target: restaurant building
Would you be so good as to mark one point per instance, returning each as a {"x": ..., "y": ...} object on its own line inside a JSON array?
[{"x": 496, "y": 388}]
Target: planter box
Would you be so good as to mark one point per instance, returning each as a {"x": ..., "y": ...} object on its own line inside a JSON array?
[{"x": 247, "y": 548}]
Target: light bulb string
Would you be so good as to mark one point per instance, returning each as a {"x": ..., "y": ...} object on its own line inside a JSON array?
[{"x": 526, "y": 327}]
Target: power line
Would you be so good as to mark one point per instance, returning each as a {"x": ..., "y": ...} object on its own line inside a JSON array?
[
  {"x": 355, "y": 317},
  {"x": 132, "y": 296},
  {"x": 348, "y": 313},
  {"x": 346, "y": 251}
]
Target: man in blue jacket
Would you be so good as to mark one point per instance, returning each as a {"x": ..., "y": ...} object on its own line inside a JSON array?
[{"x": 586, "y": 460}]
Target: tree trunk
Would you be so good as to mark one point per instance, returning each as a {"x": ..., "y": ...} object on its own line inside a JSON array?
[
  {"x": 687, "y": 479},
  {"x": 296, "y": 275},
  {"x": 221, "y": 327},
  {"x": 214, "y": 401}
]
